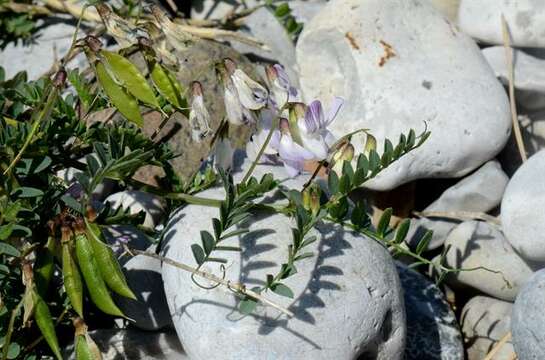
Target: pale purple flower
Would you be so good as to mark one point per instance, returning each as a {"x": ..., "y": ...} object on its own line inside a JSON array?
[
  {"x": 282, "y": 91},
  {"x": 291, "y": 153},
  {"x": 199, "y": 118},
  {"x": 235, "y": 112},
  {"x": 313, "y": 128}
]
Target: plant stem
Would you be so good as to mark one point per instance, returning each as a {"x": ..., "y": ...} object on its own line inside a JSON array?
[
  {"x": 274, "y": 125},
  {"x": 236, "y": 287},
  {"x": 7, "y": 338}
]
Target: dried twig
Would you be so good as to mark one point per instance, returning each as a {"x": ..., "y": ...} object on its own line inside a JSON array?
[
  {"x": 74, "y": 9},
  {"x": 511, "y": 72},
  {"x": 236, "y": 287},
  {"x": 221, "y": 34},
  {"x": 459, "y": 215},
  {"x": 498, "y": 346}
]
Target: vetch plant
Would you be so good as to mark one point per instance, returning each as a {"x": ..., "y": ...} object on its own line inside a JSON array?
[{"x": 50, "y": 225}]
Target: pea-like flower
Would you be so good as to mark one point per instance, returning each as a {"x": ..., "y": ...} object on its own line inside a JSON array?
[
  {"x": 291, "y": 153},
  {"x": 199, "y": 118},
  {"x": 313, "y": 128},
  {"x": 281, "y": 89},
  {"x": 242, "y": 94}
]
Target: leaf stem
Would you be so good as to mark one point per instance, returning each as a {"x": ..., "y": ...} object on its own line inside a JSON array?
[{"x": 7, "y": 338}]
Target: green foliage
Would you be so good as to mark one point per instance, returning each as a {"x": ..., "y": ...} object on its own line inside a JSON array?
[
  {"x": 14, "y": 25},
  {"x": 283, "y": 13}
]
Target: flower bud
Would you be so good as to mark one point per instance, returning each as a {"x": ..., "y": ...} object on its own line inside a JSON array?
[
  {"x": 199, "y": 118},
  {"x": 370, "y": 144},
  {"x": 311, "y": 199},
  {"x": 345, "y": 152}
]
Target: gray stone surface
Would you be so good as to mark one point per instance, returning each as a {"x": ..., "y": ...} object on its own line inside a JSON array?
[
  {"x": 51, "y": 42},
  {"x": 150, "y": 309},
  {"x": 485, "y": 321},
  {"x": 305, "y": 10},
  {"x": 528, "y": 319},
  {"x": 137, "y": 201},
  {"x": 120, "y": 344},
  {"x": 479, "y": 244},
  {"x": 522, "y": 212},
  {"x": 432, "y": 329},
  {"x": 433, "y": 74},
  {"x": 529, "y": 70},
  {"x": 117, "y": 235},
  {"x": 481, "y": 191},
  {"x": 481, "y": 19},
  {"x": 348, "y": 300}
]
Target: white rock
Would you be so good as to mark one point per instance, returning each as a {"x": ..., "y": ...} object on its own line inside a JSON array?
[
  {"x": 478, "y": 244},
  {"x": 150, "y": 309},
  {"x": 481, "y": 191},
  {"x": 119, "y": 344},
  {"x": 304, "y": 10},
  {"x": 263, "y": 26},
  {"x": 449, "y": 8},
  {"x": 52, "y": 42},
  {"x": 481, "y": 19},
  {"x": 529, "y": 70},
  {"x": 522, "y": 209},
  {"x": 348, "y": 300},
  {"x": 437, "y": 75},
  {"x": 138, "y": 201},
  {"x": 485, "y": 321},
  {"x": 528, "y": 321}
]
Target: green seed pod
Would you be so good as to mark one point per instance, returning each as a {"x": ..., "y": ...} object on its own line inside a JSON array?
[
  {"x": 167, "y": 85},
  {"x": 130, "y": 77},
  {"x": 123, "y": 101},
  {"x": 107, "y": 262},
  {"x": 82, "y": 349},
  {"x": 72, "y": 279},
  {"x": 45, "y": 266},
  {"x": 45, "y": 324},
  {"x": 93, "y": 279}
]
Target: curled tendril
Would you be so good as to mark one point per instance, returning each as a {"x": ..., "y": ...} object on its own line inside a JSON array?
[{"x": 223, "y": 273}]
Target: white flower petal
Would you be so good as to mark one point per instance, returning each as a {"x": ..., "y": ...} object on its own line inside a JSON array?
[{"x": 252, "y": 95}]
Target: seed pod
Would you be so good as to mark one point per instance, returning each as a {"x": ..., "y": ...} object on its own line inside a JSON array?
[
  {"x": 167, "y": 85},
  {"x": 82, "y": 349},
  {"x": 123, "y": 101},
  {"x": 93, "y": 279},
  {"x": 45, "y": 265},
  {"x": 45, "y": 324},
  {"x": 130, "y": 77},
  {"x": 70, "y": 274},
  {"x": 107, "y": 262}
]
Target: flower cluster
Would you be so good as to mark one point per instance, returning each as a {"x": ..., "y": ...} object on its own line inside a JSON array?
[{"x": 291, "y": 132}]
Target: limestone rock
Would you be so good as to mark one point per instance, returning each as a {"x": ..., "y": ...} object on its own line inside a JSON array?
[{"x": 393, "y": 78}]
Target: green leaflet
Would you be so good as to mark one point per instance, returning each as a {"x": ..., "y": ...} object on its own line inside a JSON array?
[
  {"x": 123, "y": 101},
  {"x": 130, "y": 77}
]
